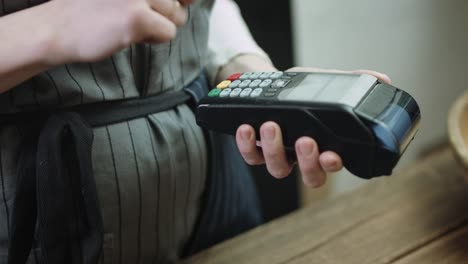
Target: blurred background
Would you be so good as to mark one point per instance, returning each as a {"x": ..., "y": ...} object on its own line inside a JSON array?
[{"x": 421, "y": 44}]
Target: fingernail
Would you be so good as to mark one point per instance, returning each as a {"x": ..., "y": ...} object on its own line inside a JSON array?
[
  {"x": 246, "y": 134},
  {"x": 332, "y": 165},
  {"x": 268, "y": 133},
  {"x": 389, "y": 79},
  {"x": 306, "y": 149}
]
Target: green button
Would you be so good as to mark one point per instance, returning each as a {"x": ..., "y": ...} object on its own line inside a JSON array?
[{"x": 214, "y": 92}]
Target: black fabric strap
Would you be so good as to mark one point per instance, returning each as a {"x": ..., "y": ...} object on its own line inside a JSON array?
[
  {"x": 69, "y": 220},
  {"x": 56, "y": 189},
  {"x": 119, "y": 111},
  {"x": 56, "y": 181},
  {"x": 105, "y": 113},
  {"x": 24, "y": 212}
]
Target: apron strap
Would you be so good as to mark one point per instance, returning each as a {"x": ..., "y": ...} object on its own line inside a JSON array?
[{"x": 56, "y": 190}]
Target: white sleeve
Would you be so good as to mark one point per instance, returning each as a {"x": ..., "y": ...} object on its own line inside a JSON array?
[{"x": 229, "y": 37}]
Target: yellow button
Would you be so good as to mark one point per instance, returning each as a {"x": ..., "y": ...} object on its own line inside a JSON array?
[{"x": 223, "y": 85}]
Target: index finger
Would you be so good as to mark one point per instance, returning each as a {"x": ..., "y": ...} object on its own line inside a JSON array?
[
  {"x": 381, "y": 76},
  {"x": 378, "y": 75}
]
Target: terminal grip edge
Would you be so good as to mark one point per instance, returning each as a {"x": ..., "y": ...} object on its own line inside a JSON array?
[{"x": 357, "y": 155}]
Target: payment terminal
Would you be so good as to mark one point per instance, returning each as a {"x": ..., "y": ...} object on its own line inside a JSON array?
[{"x": 367, "y": 122}]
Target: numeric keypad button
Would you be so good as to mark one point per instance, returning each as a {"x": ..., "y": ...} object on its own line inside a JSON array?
[
  {"x": 265, "y": 83},
  {"x": 255, "y": 83},
  {"x": 265, "y": 75},
  {"x": 223, "y": 84},
  {"x": 225, "y": 92},
  {"x": 235, "y": 84},
  {"x": 246, "y": 92},
  {"x": 276, "y": 75},
  {"x": 214, "y": 92},
  {"x": 245, "y": 76},
  {"x": 235, "y": 92},
  {"x": 280, "y": 83},
  {"x": 257, "y": 92},
  {"x": 245, "y": 84},
  {"x": 256, "y": 75}
]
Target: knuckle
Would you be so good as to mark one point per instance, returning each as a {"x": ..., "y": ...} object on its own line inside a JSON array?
[
  {"x": 311, "y": 171},
  {"x": 252, "y": 158},
  {"x": 272, "y": 154},
  {"x": 133, "y": 17},
  {"x": 181, "y": 17},
  {"x": 168, "y": 34},
  {"x": 132, "y": 23},
  {"x": 140, "y": 26}
]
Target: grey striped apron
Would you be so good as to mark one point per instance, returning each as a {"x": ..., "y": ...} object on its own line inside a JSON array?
[
  {"x": 56, "y": 187},
  {"x": 158, "y": 198}
]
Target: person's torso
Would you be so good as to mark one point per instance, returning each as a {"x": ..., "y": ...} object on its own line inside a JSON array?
[{"x": 150, "y": 172}]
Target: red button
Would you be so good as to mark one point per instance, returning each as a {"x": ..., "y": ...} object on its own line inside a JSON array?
[{"x": 234, "y": 76}]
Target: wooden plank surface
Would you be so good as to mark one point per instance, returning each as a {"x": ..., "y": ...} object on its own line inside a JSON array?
[
  {"x": 452, "y": 248},
  {"x": 388, "y": 220}
]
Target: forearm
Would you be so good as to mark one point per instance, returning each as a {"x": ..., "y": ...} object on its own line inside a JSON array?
[
  {"x": 26, "y": 46},
  {"x": 232, "y": 47}
]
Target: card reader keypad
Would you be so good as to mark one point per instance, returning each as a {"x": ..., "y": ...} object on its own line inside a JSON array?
[{"x": 253, "y": 85}]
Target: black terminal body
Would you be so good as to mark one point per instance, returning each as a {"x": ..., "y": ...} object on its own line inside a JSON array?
[{"x": 368, "y": 123}]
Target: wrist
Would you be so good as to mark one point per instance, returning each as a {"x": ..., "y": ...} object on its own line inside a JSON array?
[
  {"x": 51, "y": 50},
  {"x": 29, "y": 44},
  {"x": 51, "y": 35}
]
